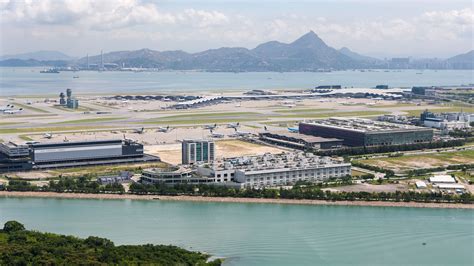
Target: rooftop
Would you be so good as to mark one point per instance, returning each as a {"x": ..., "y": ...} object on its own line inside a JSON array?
[
  {"x": 275, "y": 162},
  {"x": 364, "y": 125},
  {"x": 306, "y": 138}
]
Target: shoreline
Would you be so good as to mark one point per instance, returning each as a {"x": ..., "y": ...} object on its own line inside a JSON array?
[{"x": 30, "y": 194}]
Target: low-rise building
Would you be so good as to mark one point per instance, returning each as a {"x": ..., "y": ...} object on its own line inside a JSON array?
[
  {"x": 271, "y": 170},
  {"x": 442, "y": 179},
  {"x": 173, "y": 175},
  {"x": 300, "y": 141},
  {"x": 366, "y": 132},
  {"x": 15, "y": 157},
  {"x": 420, "y": 184},
  {"x": 122, "y": 177}
]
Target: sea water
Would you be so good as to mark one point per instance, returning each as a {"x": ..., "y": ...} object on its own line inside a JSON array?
[
  {"x": 29, "y": 81},
  {"x": 263, "y": 234}
]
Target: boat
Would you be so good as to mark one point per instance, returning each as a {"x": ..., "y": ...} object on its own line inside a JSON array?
[
  {"x": 49, "y": 71},
  {"x": 75, "y": 77}
]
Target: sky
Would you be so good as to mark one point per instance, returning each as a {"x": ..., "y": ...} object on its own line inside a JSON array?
[{"x": 383, "y": 28}]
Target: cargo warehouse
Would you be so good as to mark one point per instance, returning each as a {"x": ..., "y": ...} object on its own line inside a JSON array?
[
  {"x": 300, "y": 141},
  {"x": 365, "y": 132}
]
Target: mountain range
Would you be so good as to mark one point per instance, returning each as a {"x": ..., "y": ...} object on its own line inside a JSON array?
[
  {"x": 307, "y": 53},
  {"x": 40, "y": 56}
]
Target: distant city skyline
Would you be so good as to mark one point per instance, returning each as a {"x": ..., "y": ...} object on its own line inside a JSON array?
[{"x": 376, "y": 28}]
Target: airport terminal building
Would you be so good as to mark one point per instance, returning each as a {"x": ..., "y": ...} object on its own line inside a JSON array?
[{"x": 364, "y": 132}]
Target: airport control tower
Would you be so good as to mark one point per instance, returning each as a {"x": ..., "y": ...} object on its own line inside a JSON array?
[{"x": 70, "y": 101}]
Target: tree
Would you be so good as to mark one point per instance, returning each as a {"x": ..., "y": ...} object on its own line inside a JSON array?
[{"x": 13, "y": 226}]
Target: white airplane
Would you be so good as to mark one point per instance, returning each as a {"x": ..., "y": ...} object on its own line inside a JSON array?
[
  {"x": 48, "y": 135},
  {"x": 210, "y": 127},
  {"x": 216, "y": 135},
  {"x": 139, "y": 130},
  {"x": 164, "y": 129},
  {"x": 8, "y": 107},
  {"x": 233, "y": 125},
  {"x": 13, "y": 111},
  {"x": 241, "y": 133}
]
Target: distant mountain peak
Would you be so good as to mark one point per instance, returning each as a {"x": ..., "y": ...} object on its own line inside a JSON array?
[{"x": 309, "y": 39}]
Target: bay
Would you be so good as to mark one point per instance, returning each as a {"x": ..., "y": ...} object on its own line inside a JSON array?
[
  {"x": 263, "y": 234},
  {"x": 29, "y": 81}
]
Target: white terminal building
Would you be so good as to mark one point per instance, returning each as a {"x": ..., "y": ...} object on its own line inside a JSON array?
[{"x": 274, "y": 169}]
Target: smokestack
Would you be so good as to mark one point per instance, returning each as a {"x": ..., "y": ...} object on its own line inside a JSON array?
[{"x": 101, "y": 59}]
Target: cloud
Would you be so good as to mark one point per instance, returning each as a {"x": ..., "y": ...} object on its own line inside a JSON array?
[
  {"x": 145, "y": 22},
  {"x": 102, "y": 15}
]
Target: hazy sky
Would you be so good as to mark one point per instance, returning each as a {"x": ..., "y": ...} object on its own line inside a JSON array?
[{"x": 419, "y": 28}]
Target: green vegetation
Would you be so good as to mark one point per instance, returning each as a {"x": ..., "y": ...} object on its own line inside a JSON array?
[
  {"x": 29, "y": 107},
  {"x": 209, "y": 115},
  {"x": 441, "y": 110},
  {"x": 299, "y": 191},
  {"x": 34, "y": 116},
  {"x": 332, "y": 114},
  {"x": 25, "y": 138},
  {"x": 392, "y": 105},
  {"x": 431, "y": 160},
  {"x": 23, "y": 247},
  {"x": 205, "y": 118},
  {"x": 80, "y": 109},
  {"x": 303, "y": 110},
  {"x": 105, "y": 169},
  {"x": 390, "y": 148},
  {"x": 388, "y": 173},
  {"x": 91, "y": 120},
  {"x": 199, "y": 121},
  {"x": 10, "y": 123},
  {"x": 46, "y": 129}
]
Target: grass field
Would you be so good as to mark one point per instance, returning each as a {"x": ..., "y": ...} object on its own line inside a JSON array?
[
  {"x": 199, "y": 121},
  {"x": 46, "y": 129},
  {"x": 29, "y": 107},
  {"x": 332, "y": 114},
  {"x": 356, "y": 173},
  {"x": 392, "y": 105},
  {"x": 38, "y": 115},
  {"x": 303, "y": 110},
  {"x": 10, "y": 123},
  {"x": 80, "y": 109},
  {"x": 411, "y": 162},
  {"x": 441, "y": 110},
  {"x": 25, "y": 138},
  {"x": 91, "y": 120},
  {"x": 206, "y": 118}
]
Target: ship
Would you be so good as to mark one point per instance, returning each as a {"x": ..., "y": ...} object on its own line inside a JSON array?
[{"x": 49, "y": 71}]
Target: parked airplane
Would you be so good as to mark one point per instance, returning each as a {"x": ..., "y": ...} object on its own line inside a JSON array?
[
  {"x": 294, "y": 129},
  {"x": 241, "y": 133},
  {"x": 164, "y": 129},
  {"x": 216, "y": 135},
  {"x": 233, "y": 125},
  {"x": 48, "y": 135},
  {"x": 139, "y": 130},
  {"x": 13, "y": 111},
  {"x": 8, "y": 107},
  {"x": 210, "y": 127}
]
